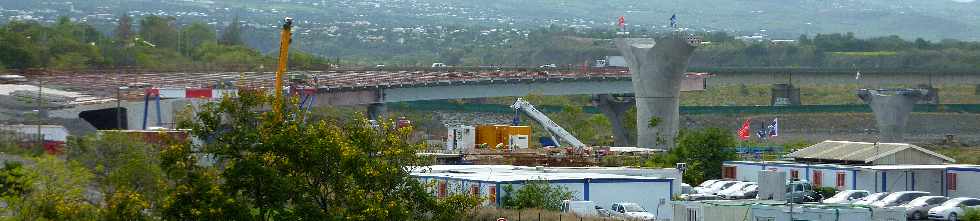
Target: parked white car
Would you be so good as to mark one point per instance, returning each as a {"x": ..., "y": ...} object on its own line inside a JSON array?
[
  {"x": 631, "y": 211},
  {"x": 868, "y": 200},
  {"x": 704, "y": 185},
  {"x": 750, "y": 192},
  {"x": 919, "y": 207},
  {"x": 847, "y": 196},
  {"x": 738, "y": 187},
  {"x": 716, "y": 187},
  {"x": 899, "y": 198},
  {"x": 952, "y": 209}
]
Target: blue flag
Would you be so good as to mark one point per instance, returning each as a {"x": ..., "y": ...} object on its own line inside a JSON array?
[{"x": 673, "y": 21}]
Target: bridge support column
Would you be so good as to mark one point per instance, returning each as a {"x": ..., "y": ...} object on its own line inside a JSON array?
[
  {"x": 657, "y": 66},
  {"x": 376, "y": 111},
  {"x": 892, "y": 108},
  {"x": 615, "y": 111}
]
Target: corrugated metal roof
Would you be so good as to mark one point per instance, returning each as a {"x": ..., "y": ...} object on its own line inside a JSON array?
[{"x": 857, "y": 151}]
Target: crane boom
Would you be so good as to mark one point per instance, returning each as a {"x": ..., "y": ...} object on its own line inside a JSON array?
[
  {"x": 548, "y": 124},
  {"x": 285, "y": 38}
]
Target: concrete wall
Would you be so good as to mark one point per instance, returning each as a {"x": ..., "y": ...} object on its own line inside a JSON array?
[{"x": 134, "y": 111}]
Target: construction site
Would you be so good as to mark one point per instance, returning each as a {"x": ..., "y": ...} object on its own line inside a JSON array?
[{"x": 641, "y": 102}]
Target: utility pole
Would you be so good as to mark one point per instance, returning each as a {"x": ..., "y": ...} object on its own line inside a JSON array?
[
  {"x": 40, "y": 99},
  {"x": 118, "y": 103}
]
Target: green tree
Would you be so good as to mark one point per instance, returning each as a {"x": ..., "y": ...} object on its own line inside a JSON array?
[
  {"x": 159, "y": 31},
  {"x": 233, "y": 33},
  {"x": 124, "y": 31},
  {"x": 58, "y": 193},
  {"x": 194, "y": 36},
  {"x": 704, "y": 151},
  {"x": 535, "y": 194},
  {"x": 70, "y": 61},
  {"x": 282, "y": 168},
  {"x": 18, "y": 51},
  {"x": 125, "y": 169}
]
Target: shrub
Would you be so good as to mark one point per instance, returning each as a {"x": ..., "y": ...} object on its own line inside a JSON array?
[{"x": 537, "y": 195}]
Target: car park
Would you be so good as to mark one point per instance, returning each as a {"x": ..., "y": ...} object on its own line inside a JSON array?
[
  {"x": 952, "y": 209},
  {"x": 704, "y": 185},
  {"x": 918, "y": 208},
  {"x": 868, "y": 200},
  {"x": 738, "y": 187},
  {"x": 749, "y": 192},
  {"x": 847, "y": 196},
  {"x": 898, "y": 198},
  {"x": 717, "y": 186}
]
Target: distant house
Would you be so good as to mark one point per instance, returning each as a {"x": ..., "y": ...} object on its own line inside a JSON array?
[{"x": 776, "y": 42}]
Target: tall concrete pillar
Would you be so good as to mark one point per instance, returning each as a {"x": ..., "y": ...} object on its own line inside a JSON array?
[
  {"x": 657, "y": 66},
  {"x": 892, "y": 108},
  {"x": 376, "y": 111},
  {"x": 615, "y": 110}
]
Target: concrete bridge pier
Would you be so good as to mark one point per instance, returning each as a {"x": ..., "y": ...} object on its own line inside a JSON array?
[
  {"x": 615, "y": 110},
  {"x": 892, "y": 108},
  {"x": 376, "y": 111},
  {"x": 657, "y": 67}
]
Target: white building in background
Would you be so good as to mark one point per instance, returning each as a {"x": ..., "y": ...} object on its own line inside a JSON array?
[
  {"x": 651, "y": 188},
  {"x": 56, "y": 133}
]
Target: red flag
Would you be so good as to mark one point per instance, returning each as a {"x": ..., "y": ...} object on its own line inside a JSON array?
[
  {"x": 622, "y": 21},
  {"x": 743, "y": 133}
]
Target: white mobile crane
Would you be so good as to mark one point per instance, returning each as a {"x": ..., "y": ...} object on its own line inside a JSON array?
[{"x": 549, "y": 125}]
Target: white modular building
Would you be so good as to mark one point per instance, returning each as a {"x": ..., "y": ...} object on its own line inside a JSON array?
[
  {"x": 961, "y": 181},
  {"x": 604, "y": 186},
  {"x": 844, "y": 165},
  {"x": 779, "y": 211}
]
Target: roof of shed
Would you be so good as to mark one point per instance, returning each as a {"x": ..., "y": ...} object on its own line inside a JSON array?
[{"x": 858, "y": 151}]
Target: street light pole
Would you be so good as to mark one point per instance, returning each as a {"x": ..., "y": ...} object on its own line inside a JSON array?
[{"x": 40, "y": 99}]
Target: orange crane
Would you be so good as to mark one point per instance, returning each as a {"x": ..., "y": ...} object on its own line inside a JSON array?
[{"x": 284, "y": 40}]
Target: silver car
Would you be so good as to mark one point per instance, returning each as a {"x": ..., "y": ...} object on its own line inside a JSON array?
[{"x": 918, "y": 208}]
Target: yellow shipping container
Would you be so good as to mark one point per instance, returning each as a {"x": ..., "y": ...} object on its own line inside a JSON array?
[
  {"x": 519, "y": 130},
  {"x": 503, "y": 134},
  {"x": 486, "y": 134}
]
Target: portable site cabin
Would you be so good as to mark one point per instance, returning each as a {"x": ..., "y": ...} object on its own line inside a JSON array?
[
  {"x": 959, "y": 179},
  {"x": 491, "y": 181},
  {"x": 883, "y": 167}
]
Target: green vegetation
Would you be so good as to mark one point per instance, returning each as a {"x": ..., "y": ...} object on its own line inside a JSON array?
[
  {"x": 971, "y": 214},
  {"x": 158, "y": 45},
  {"x": 535, "y": 195},
  {"x": 963, "y": 155},
  {"x": 826, "y": 192},
  {"x": 255, "y": 166},
  {"x": 703, "y": 150}
]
